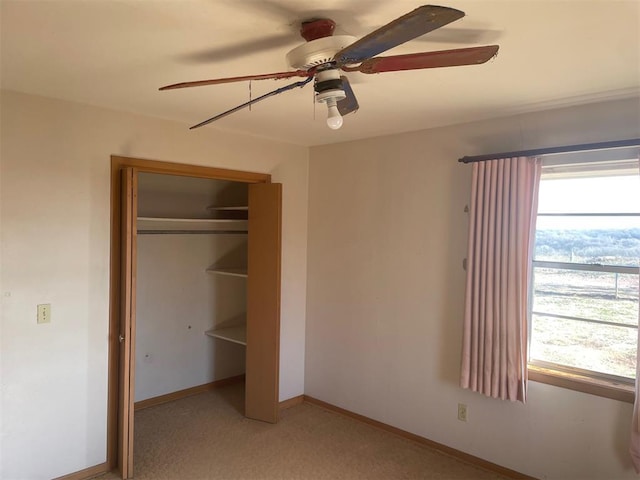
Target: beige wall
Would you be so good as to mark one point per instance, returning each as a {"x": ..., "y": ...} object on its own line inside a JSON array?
[
  {"x": 55, "y": 249},
  {"x": 387, "y": 235}
]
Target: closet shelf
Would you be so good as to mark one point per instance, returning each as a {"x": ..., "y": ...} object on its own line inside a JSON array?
[
  {"x": 227, "y": 208},
  {"x": 234, "y": 272},
  {"x": 191, "y": 225},
  {"x": 236, "y": 334}
]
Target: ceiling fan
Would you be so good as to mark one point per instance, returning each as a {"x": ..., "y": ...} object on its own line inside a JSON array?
[{"x": 323, "y": 56}]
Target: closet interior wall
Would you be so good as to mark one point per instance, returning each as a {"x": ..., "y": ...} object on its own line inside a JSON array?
[{"x": 178, "y": 300}]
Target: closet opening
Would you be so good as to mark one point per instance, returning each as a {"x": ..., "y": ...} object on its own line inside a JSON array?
[
  {"x": 191, "y": 285},
  {"x": 195, "y": 290}
]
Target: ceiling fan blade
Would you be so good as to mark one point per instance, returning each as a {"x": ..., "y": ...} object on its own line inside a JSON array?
[
  {"x": 300, "y": 84},
  {"x": 416, "y": 61},
  {"x": 422, "y": 20},
  {"x": 264, "y": 76},
  {"x": 268, "y": 8},
  {"x": 350, "y": 102},
  {"x": 220, "y": 54},
  {"x": 466, "y": 36}
]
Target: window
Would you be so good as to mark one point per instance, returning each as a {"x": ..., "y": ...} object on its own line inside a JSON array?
[{"x": 584, "y": 309}]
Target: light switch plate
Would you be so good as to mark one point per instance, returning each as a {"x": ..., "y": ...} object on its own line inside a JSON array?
[{"x": 44, "y": 313}]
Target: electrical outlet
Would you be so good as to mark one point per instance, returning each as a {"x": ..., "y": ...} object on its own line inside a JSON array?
[
  {"x": 44, "y": 313},
  {"x": 462, "y": 412}
]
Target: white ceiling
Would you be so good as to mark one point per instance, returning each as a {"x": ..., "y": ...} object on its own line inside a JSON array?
[{"x": 116, "y": 53}]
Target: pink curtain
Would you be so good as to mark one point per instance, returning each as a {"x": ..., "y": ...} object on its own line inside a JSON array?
[
  {"x": 635, "y": 422},
  {"x": 501, "y": 230}
]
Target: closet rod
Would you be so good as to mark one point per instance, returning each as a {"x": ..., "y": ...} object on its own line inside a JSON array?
[
  {"x": 192, "y": 232},
  {"x": 632, "y": 142}
]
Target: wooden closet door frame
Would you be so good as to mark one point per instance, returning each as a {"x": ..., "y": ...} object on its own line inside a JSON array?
[
  {"x": 118, "y": 163},
  {"x": 126, "y": 330}
]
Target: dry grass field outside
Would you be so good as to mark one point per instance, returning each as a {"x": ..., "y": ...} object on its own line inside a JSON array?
[
  {"x": 576, "y": 300},
  {"x": 586, "y": 295}
]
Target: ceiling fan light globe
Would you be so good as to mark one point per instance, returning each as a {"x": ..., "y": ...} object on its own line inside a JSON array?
[{"x": 334, "y": 119}]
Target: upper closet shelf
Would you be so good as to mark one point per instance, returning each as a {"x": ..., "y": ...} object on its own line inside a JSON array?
[
  {"x": 191, "y": 225},
  {"x": 238, "y": 208}
]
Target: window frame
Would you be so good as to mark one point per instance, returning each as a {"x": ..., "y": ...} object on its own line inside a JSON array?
[{"x": 573, "y": 378}]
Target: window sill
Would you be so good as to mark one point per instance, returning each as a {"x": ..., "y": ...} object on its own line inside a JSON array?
[{"x": 582, "y": 383}]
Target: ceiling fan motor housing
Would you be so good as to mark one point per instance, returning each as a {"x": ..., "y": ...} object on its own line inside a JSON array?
[{"x": 318, "y": 52}]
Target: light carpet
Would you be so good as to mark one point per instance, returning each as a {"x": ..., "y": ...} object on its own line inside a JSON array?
[{"x": 206, "y": 437}]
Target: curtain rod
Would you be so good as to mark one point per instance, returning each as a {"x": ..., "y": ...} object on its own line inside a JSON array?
[{"x": 547, "y": 151}]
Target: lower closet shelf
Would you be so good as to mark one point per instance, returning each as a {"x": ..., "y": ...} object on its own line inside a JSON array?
[
  {"x": 234, "y": 272},
  {"x": 236, "y": 334}
]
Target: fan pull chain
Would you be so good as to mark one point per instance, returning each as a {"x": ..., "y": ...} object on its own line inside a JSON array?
[{"x": 250, "y": 94}]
